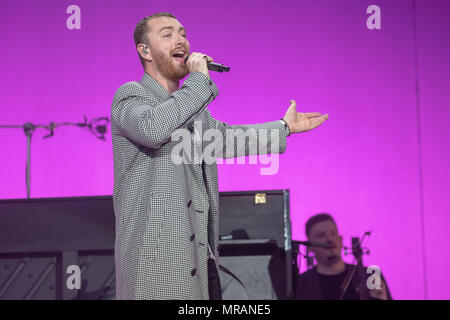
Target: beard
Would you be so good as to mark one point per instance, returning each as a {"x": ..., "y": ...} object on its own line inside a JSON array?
[
  {"x": 168, "y": 67},
  {"x": 329, "y": 256},
  {"x": 333, "y": 258}
]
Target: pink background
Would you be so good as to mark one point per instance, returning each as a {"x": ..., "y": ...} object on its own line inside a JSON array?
[{"x": 380, "y": 163}]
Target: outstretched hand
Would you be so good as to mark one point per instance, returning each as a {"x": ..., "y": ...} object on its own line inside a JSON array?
[{"x": 302, "y": 122}]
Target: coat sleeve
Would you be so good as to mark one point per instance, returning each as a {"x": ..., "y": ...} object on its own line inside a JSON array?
[
  {"x": 251, "y": 139},
  {"x": 141, "y": 118}
]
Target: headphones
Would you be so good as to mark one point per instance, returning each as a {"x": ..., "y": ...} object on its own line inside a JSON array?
[{"x": 145, "y": 51}]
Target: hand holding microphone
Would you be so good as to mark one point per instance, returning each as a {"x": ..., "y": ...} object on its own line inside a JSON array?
[{"x": 199, "y": 62}]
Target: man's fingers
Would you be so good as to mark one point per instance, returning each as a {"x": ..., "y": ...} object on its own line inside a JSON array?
[
  {"x": 325, "y": 116},
  {"x": 197, "y": 62},
  {"x": 313, "y": 114},
  {"x": 208, "y": 58},
  {"x": 199, "y": 55},
  {"x": 319, "y": 120},
  {"x": 293, "y": 105}
]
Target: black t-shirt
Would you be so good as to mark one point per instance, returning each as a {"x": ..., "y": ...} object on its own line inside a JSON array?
[{"x": 331, "y": 286}]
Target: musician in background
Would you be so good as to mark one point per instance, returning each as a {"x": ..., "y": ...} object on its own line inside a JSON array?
[{"x": 326, "y": 280}]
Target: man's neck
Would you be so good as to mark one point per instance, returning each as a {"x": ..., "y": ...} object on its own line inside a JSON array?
[
  {"x": 331, "y": 269},
  {"x": 170, "y": 85}
]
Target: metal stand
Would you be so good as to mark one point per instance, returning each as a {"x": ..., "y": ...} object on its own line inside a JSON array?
[
  {"x": 358, "y": 253},
  {"x": 296, "y": 266},
  {"x": 29, "y": 129},
  {"x": 94, "y": 126}
]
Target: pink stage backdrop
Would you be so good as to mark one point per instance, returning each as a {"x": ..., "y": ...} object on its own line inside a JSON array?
[{"x": 380, "y": 163}]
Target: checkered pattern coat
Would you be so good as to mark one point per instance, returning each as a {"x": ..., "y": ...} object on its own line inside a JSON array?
[{"x": 165, "y": 213}]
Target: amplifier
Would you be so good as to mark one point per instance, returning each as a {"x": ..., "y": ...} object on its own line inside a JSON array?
[
  {"x": 255, "y": 245},
  {"x": 40, "y": 239}
]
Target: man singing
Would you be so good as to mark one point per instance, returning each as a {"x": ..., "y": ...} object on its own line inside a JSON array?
[{"x": 167, "y": 213}]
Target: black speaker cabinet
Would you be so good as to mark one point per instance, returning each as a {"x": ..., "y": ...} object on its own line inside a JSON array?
[
  {"x": 255, "y": 246},
  {"x": 41, "y": 239}
]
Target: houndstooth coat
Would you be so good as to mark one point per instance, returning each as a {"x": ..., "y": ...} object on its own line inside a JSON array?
[{"x": 165, "y": 213}]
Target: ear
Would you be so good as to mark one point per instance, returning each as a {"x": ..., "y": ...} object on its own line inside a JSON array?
[{"x": 144, "y": 52}]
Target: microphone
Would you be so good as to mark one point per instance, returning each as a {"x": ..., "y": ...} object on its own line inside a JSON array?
[
  {"x": 312, "y": 244},
  {"x": 213, "y": 66}
]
